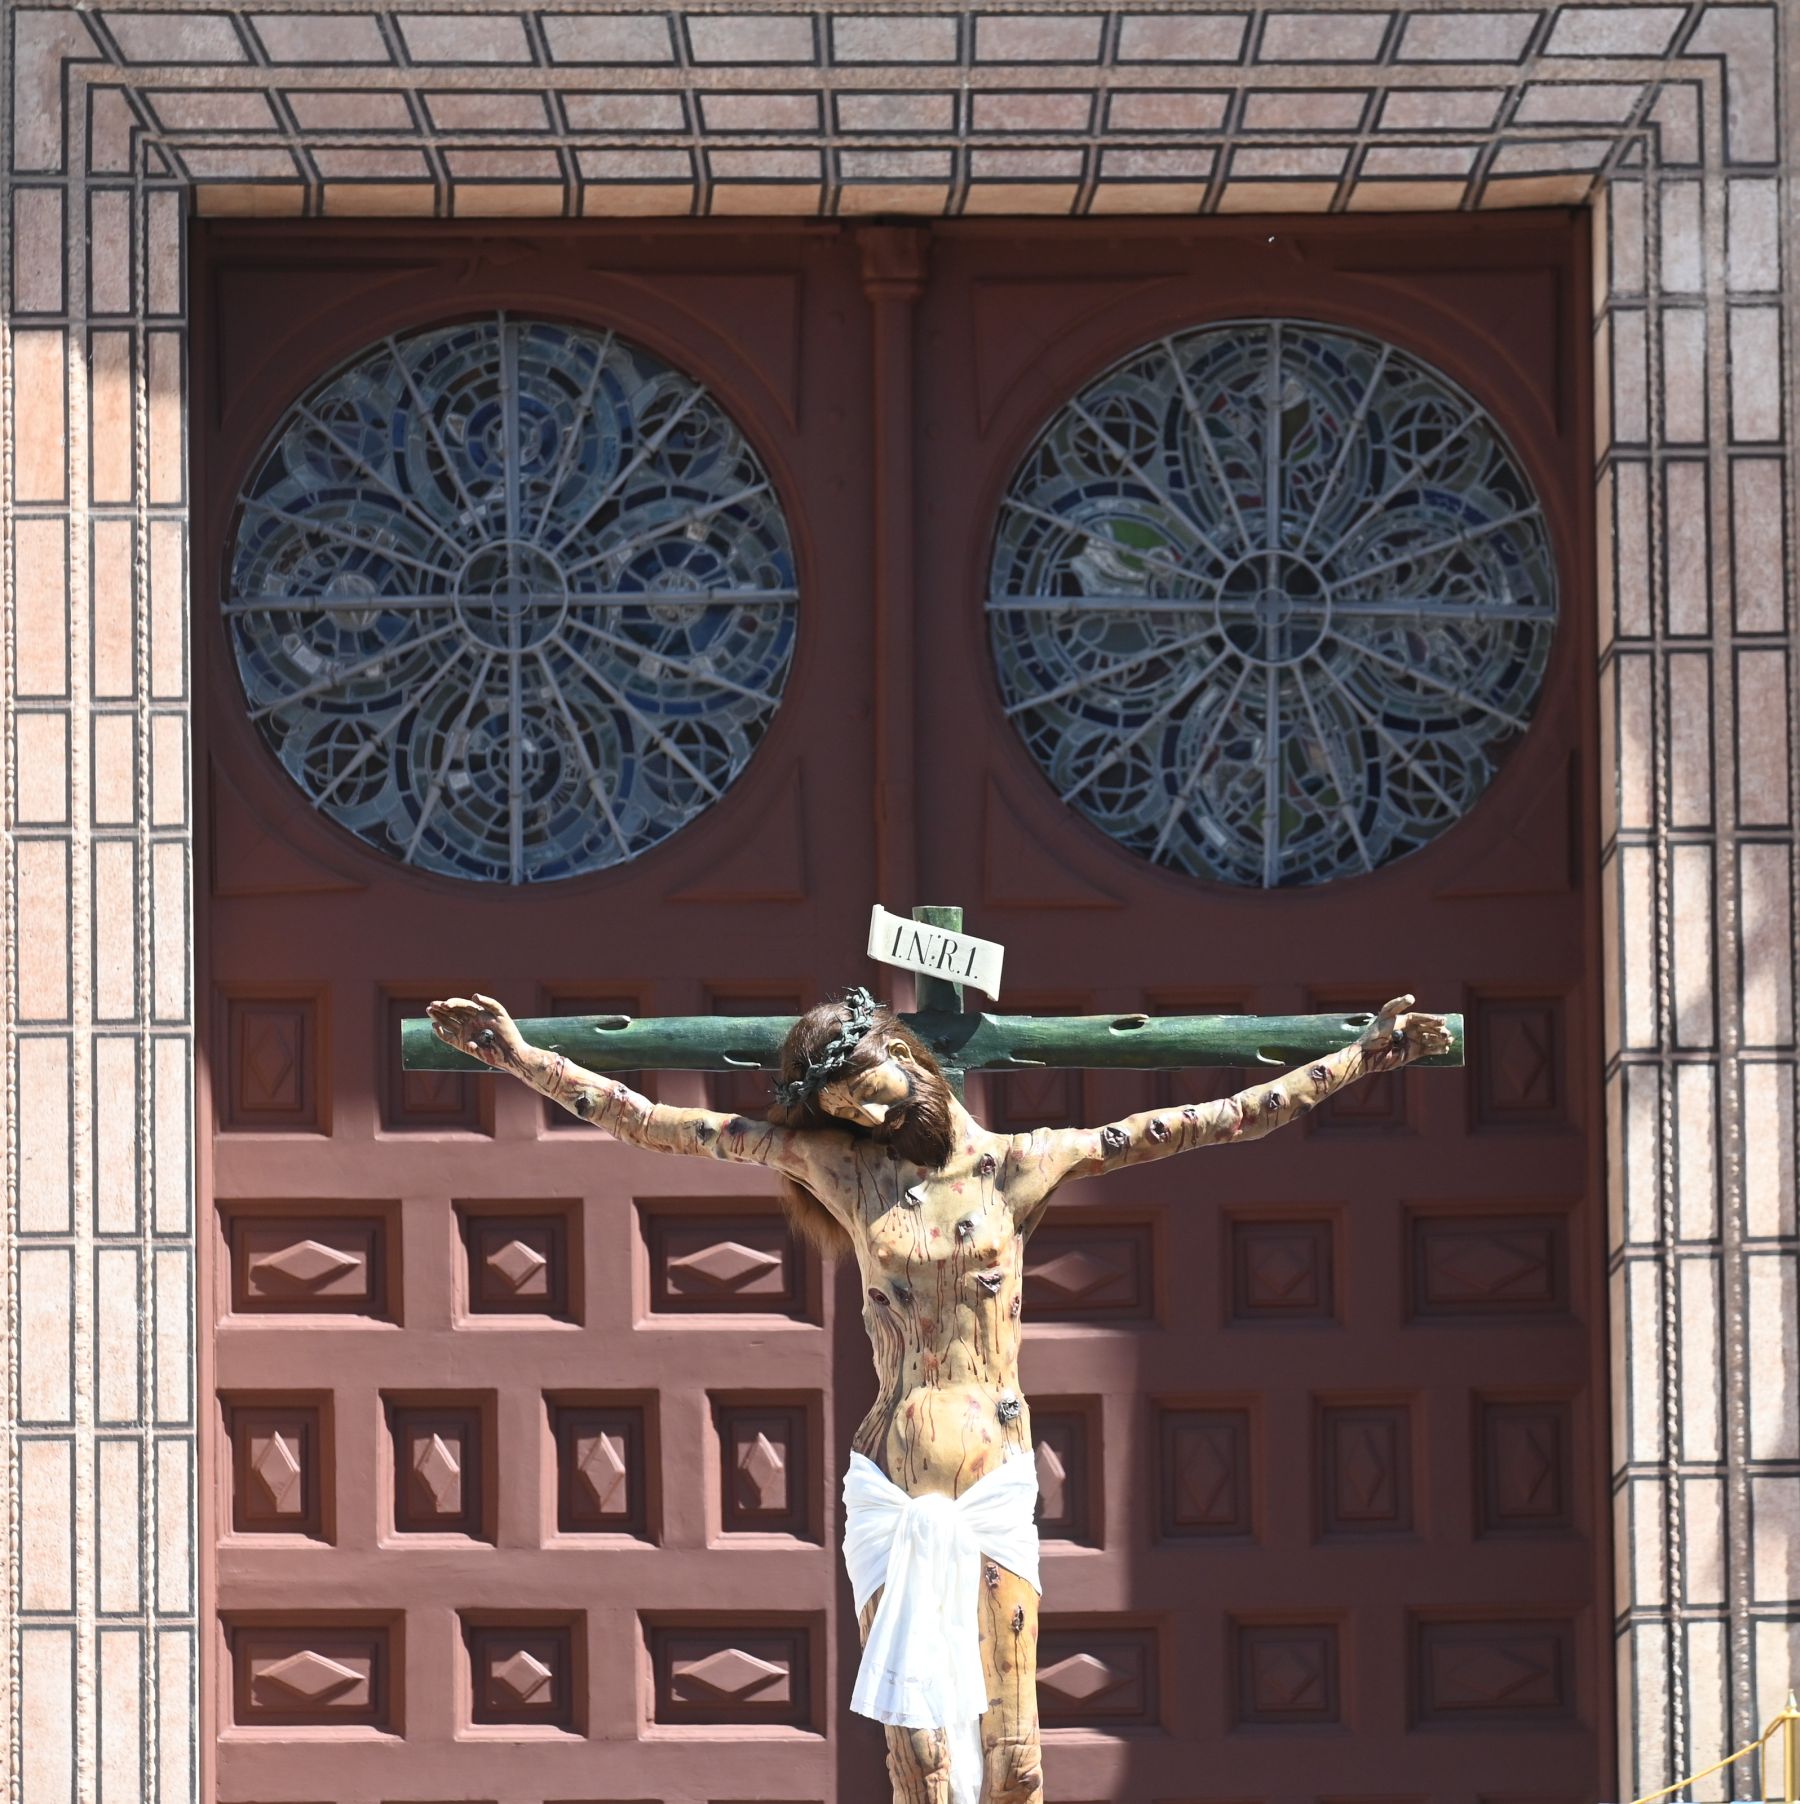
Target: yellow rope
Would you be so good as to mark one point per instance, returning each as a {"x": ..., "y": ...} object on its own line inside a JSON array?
[
  {"x": 1762, "y": 1742},
  {"x": 1650, "y": 1797}
]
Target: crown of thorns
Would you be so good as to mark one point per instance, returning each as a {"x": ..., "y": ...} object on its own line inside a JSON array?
[{"x": 859, "y": 1016}]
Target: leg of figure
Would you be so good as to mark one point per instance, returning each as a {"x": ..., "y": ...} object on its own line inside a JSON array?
[
  {"x": 918, "y": 1760},
  {"x": 1011, "y": 1751}
]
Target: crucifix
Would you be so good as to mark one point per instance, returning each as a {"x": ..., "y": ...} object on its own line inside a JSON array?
[
  {"x": 880, "y": 1161},
  {"x": 959, "y": 1042}
]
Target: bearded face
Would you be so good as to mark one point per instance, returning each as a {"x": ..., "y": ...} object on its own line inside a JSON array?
[{"x": 897, "y": 1102}]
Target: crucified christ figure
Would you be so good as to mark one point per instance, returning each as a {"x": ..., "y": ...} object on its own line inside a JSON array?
[{"x": 880, "y": 1160}]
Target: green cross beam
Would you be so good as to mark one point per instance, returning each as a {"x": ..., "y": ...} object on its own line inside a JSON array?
[{"x": 960, "y": 1042}]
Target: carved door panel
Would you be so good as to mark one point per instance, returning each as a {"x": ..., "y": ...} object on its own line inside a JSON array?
[
  {"x": 519, "y": 1484},
  {"x": 1324, "y": 1435}
]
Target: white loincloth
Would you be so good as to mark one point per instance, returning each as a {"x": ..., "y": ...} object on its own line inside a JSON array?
[{"x": 921, "y": 1664}]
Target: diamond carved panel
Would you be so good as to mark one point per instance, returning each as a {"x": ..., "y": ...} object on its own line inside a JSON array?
[
  {"x": 1097, "y": 1676},
  {"x": 278, "y": 1465},
  {"x": 1018, "y": 1101},
  {"x": 730, "y": 1673},
  {"x": 438, "y": 1101},
  {"x": 1494, "y": 1673},
  {"x": 440, "y": 1452},
  {"x": 1089, "y": 1271},
  {"x": 602, "y": 1466},
  {"x": 1065, "y": 1440},
  {"x": 1282, "y": 1270},
  {"x": 765, "y": 1465},
  {"x": 1523, "y": 1452},
  {"x": 521, "y": 1264},
  {"x": 1365, "y": 1468},
  {"x": 1286, "y": 1673},
  {"x": 334, "y": 1265},
  {"x": 1205, "y": 1484},
  {"x": 1517, "y": 1069},
  {"x": 273, "y": 1083},
  {"x": 524, "y": 1674},
  {"x": 1489, "y": 1265},
  {"x": 304, "y": 1675},
  {"x": 729, "y": 1264}
]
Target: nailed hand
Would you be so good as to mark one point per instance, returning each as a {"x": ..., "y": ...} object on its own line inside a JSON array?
[
  {"x": 1400, "y": 1027},
  {"x": 479, "y": 1026}
]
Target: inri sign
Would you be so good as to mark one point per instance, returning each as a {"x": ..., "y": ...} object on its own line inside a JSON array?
[{"x": 935, "y": 952}]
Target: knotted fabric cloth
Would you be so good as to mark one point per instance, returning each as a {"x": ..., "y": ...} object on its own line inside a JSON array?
[{"x": 921, "y": 1663}]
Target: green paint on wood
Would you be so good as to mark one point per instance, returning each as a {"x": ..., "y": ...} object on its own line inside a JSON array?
[
  {"x": 960, "y": 1042},
  {"x": 938, "y": 995}
]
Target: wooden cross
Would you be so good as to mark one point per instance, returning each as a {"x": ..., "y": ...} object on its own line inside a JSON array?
[{"x": 959, "y": 1042}]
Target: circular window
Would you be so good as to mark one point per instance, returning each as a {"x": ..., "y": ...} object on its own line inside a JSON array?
[
  {"x": 1270, "y": 601},
  {"x": 511, "y": 600}
]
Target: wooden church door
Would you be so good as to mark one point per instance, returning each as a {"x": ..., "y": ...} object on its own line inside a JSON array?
[
  {"x": 521, "y": 1439},
  {"x": 1325, "y": 1429},
  {"x": 523, "y": 1445}
]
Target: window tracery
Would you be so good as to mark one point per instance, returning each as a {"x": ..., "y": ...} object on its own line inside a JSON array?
[
  {"x": 511, "y": 600},
  {"x": 1270, "y": 601}
]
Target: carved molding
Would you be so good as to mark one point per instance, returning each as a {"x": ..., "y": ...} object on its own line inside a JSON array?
[
  {"x": 1286, "y": 1674},
  {"x": 310, "y": 1675},
  {"x": 321, "y": 1264},
  {"x": 602, "y": 1466},
  {"x": 765, "y": 1461},
  {"x": 1206, "y": 1479},
  {"x": 1097, "y": 1676},
  {"x": 521, "y": 1264},
  {"x": 274, "y": 1081},
  {"x": 279, "y": 1468},
  {"x": 1502, "y": 1673},
  {"x": 525, "y": 1675},
  {"x": 727, "y": 1264},
  {"x": 725, "y": 1674},
  {"x": 1089, "y": 1272},
  {"x": 1283, "y": 1269},
  {"x": 439, "y": 1456}
]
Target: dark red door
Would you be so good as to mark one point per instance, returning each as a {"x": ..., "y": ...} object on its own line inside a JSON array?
[
  {"x": 525, "y": 1445},
  {"x": 524, "y": 1440},
  {"x": 1326, "y": 1413}
]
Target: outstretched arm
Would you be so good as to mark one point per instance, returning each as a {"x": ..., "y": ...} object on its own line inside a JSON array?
[
  {"x": 482, "y": 1028},
  {"x": 1393, "y": 1038}
]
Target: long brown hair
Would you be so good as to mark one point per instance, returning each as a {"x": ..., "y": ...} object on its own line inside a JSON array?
[{"x": 923, "y": 1136}]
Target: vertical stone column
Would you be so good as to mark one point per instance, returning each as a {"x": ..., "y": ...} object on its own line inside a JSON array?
[
  {"x": 1694, "y": 485},
  {"x": 100, "y": 1476}
]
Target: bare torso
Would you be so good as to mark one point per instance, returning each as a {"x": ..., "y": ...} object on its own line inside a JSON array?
[
  {"x": 939, "y": 1250},
  {"x": 941, "y": 1257}
]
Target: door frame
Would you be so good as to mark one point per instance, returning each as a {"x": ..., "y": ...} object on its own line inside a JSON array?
[{"x": 218, "y": 728}]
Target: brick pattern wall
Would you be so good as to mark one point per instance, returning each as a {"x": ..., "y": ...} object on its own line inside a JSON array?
[
  {"x": 1053, "y": 110},
  {"x": 118, "y": 122},
  {"x": 1694, "y": 504}
]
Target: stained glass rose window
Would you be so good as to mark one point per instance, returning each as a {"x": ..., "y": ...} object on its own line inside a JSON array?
[
  {"x": 511, "y": 600},
  {"x": 1270, "y": 602}
]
